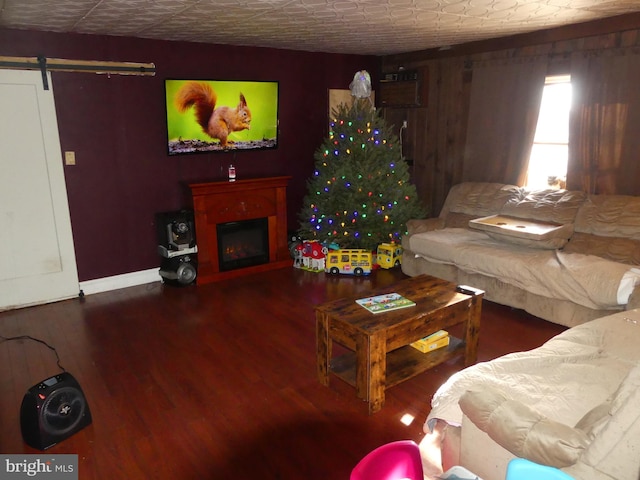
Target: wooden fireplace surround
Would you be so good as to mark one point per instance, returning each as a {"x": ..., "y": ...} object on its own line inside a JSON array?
[{"x": 222, "y": 202}]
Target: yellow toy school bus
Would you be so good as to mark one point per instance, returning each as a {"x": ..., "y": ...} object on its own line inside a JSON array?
[
  {"x": 352, "y": 261},
  {"x": 389, "y": 255}
]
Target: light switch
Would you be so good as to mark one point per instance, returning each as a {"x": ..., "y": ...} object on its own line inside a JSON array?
[{"x": 69, "y": 158}]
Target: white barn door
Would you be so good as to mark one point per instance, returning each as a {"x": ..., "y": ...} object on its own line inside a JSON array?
[{"x": 37, "y": 258}]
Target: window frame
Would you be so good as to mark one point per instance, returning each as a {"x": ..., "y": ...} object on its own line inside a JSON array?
[{"x": 534, "y": 178}]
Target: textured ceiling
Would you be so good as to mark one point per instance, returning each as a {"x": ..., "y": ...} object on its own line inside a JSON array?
[{"x": 372, "y": 27}]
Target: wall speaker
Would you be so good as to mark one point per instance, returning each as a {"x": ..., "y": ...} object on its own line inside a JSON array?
[{"x": 52, "y": 411}]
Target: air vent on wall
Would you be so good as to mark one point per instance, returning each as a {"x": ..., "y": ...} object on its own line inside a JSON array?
[{"x": 400, "y": 89}]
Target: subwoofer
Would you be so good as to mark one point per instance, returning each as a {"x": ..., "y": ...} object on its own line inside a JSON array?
[
  {"x": 52, "y": 411},
  {"x": 180, "y": 270}
]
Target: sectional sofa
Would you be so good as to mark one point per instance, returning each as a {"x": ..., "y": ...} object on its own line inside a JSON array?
[{"x": 563, "y": 256}]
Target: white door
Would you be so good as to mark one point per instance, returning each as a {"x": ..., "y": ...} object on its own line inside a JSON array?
[{"x": 37, "y": 258}]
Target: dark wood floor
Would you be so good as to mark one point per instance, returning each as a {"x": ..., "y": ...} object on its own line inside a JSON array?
[{"x": 219, "y": 381}]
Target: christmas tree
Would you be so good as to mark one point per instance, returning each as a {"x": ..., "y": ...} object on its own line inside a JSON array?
[{"x": 359, "y": 195}]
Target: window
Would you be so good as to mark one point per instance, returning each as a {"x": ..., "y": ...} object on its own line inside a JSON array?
[{"x": 550, "y": 150}]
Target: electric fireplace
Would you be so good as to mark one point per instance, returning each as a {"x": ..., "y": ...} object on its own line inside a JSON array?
[
  {"x": 241, "y": 227},
  {"x": 243, "y": 244}
]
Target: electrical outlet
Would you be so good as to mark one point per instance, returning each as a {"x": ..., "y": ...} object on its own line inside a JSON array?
[{"x": 404, "y": 124}]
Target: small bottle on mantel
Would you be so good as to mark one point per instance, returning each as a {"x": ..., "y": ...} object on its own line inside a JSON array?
[{"x": 232, "y": 173}]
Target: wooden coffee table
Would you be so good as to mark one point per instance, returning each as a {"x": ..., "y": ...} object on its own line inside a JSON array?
[{"x": 379, "y": 353}]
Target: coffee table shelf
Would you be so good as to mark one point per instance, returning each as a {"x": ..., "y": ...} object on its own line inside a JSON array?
[{"x": 402, "y": 364}]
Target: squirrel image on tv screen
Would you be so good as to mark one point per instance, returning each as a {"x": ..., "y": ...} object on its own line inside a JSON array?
[{"x": 217, "y": 122}]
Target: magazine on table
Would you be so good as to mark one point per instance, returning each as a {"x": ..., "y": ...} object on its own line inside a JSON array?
[{"x": 385, "y": 303}]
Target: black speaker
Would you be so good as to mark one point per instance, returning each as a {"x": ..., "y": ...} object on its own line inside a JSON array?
[
  {"x": 177, "y": 247},
  {"x": 175, "y": 231},
  {"x": 53, "y": 410},
  {"x": 180, "y": 270}
]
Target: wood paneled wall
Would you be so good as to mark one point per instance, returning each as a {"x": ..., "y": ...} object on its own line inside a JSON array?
[{"x": 436, "y": 133}]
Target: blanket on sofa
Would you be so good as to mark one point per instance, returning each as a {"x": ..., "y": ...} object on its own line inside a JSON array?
[
  {"x": 563, "y": 379},
  {"x": 573, "y": 402},
  {"x": 588, "y": 280}
]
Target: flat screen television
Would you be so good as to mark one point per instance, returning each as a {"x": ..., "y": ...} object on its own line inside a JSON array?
[{"x": 220, "y": 115}]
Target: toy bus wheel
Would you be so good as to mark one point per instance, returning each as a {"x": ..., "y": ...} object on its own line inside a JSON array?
[
  {"x": 334, "y": 271},
  {"x": 358, "y": 271}
]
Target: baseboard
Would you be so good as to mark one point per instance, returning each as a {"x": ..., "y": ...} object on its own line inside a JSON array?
[{"x": 125, "y": 280}]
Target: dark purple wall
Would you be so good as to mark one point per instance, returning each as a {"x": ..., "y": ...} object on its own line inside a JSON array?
[{"x": 116, "y": 126}]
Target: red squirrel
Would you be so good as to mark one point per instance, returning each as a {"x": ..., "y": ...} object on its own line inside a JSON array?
[{"x": 215, "y": 122}]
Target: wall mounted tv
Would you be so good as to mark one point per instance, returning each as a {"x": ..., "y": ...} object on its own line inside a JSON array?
[{"x": 221, "y": 115}]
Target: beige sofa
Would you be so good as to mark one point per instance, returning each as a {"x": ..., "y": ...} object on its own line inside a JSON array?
[
  {"x": 572, "y": 403},
  {"x": 585, "y": 265}
]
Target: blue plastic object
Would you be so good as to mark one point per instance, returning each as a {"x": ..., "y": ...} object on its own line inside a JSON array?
[
  {"x": 392, "y": 461},
  {"x": 522, "y": 469}
]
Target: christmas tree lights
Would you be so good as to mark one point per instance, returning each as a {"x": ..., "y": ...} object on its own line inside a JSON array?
[{"x": 359, "y": 194}]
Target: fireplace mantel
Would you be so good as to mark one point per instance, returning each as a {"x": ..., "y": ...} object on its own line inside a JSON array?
[{"x": 222, "y": 202}]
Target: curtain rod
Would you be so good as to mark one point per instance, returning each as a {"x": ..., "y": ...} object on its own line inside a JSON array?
[{"x": 63, "y": 65}]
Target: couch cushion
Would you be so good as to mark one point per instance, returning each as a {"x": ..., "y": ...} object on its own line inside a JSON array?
[
  {"x": 420, "y": 225},
  {"x": 458, "y": 220},
  {"x": 445, "y": 244},
  {"x": 555, "y": 206},
  {"x": 608, "y": 226},
  {"x": 522, "y": 430},
  {"x": 478, "y": 199},
  {"x": 610, "y": 216},
  {"x": 623, "y": 250}
]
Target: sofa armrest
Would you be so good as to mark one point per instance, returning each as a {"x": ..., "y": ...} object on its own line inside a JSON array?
[
  {"x": 522, "y": 430},
  {"x": 424, "y": 225},
  {"x": 634, "y": 299}
]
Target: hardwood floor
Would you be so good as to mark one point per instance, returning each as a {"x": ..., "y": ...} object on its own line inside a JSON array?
[{"x": 219, "y": 381}]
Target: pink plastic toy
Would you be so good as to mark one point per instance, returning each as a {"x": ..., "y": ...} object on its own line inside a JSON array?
[{"x": 392, "y": 461}]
